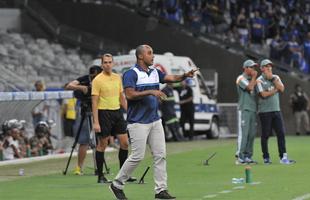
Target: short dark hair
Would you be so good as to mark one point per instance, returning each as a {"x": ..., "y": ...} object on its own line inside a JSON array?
[
  {"x": 139, "y": 50},
  {"x": 38, "y": 82},
  {"x": 95, "y": 69}
]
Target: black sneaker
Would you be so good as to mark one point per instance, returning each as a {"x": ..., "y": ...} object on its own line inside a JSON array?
[
  {"x": 131, "y": 179},
  {"x": 267, "y": 161},
  {"x": 119, "y": 194},
  {"x": 102, "y": 179},
  {"x": 163, "y": 195}
]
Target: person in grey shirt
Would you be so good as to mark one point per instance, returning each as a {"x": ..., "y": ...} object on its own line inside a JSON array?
[
  {"x": 247, "y": 111},
  {"x": 269, "y": 86}
]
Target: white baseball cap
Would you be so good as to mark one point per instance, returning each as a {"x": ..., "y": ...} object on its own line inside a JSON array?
[
  {"x": 249, "y": 63},
  {"x": 265, "y": 62}
]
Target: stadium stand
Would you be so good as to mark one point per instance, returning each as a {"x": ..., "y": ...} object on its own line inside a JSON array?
[
  {"x": 27, "y": 59},
  {"x": 277, "y": 29}
]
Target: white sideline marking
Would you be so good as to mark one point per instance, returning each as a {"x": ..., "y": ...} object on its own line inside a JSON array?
[
  {"x": 210, "y": 196},
  {"x": 225, "y": 191},
  {"x": 239, "y": 188},
  {"x": 306, "y": 196},
  {"x": 47, "y": 157},
  {"x": 255, "y": 183}
]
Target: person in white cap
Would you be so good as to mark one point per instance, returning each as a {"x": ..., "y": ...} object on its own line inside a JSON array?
[
  {"x": 269, "y": 86},
  {"x": 247, "y": 107}
]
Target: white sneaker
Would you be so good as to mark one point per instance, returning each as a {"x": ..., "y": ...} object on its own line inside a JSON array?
[{"x": 286, "y": 161}]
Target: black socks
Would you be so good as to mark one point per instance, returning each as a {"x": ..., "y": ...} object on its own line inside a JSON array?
[
  {"x": 99, "y": 162},
  {"x": 122, "y": 156}
]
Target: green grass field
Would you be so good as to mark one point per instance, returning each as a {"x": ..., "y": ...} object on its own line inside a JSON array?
[{"x": 188, "y": 178}]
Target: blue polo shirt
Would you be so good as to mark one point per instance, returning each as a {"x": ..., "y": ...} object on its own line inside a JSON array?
[{"x": 144, "y": 110}]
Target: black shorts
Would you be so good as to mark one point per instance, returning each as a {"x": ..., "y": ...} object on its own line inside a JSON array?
[{"x": 111, "y": 122}]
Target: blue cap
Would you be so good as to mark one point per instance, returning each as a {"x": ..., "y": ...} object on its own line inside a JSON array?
[
  {"x": 265, "y": 62},
  {"x": 249, "y": 63}
]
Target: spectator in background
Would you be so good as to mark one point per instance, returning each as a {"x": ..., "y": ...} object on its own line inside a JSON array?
[
  {"x": 11, "y": 145},
  {"x": 195, "y": 17},
  {"x": 257, "y": 25},
  {"x": 41, "y": 143},
  {"x": 306, "y": 50},
  {"x": 207, "y": 20},
  {"x": 187, "y": 109},
  {"x": 69, "y": 116},
  {"x": 300, "y": 104},
  {"x": 243, "y": 31},
  {"x": 295, "y": 52},
  {"x": 23, "y": 142},
  {"x": 173, "y": 12},
  {"x": 41, "y": 111},
  {"x": 277, "y": 47},
  {"x": 232, "y": 34}
]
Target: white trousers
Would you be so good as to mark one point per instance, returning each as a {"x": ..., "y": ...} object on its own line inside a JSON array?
[{"x": 141, "y": 135}]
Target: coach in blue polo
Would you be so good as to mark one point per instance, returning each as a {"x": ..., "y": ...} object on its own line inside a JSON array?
[
  {"x": 141, "y": 86},
  {"x": 269, "y": 86}
]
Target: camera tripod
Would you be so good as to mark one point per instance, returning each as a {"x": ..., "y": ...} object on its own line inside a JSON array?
[{"x": 85, "y": 114}]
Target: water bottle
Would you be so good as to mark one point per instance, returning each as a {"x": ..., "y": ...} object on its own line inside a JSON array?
[{"x": 248, "y": 174}]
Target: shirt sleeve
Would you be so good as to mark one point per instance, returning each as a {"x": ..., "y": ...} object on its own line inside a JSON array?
[
  {"x": 82, "y": 79},
  {"x": 243, "y": 83},
  {"x": 95, "y": 89},
  {"x": 278, "y": 78},
  {"x": 259, "y": 87},
  {"x": 130, "y": 79},
  {"x": 161, "y": 76}
]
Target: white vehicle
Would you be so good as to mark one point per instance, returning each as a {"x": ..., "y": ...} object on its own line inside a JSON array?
[{"x": 206, "y": 111}]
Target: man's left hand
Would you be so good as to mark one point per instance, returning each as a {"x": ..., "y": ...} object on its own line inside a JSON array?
[{"x": 191, "y": 73}]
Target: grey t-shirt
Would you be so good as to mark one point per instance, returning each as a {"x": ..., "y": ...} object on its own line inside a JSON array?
[
  {"x": 271, "y": 103},
  {"x": 246, "y": 99}
]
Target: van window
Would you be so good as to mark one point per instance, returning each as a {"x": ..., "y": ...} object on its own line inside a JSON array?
[{"x": 202, "y": 86}]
